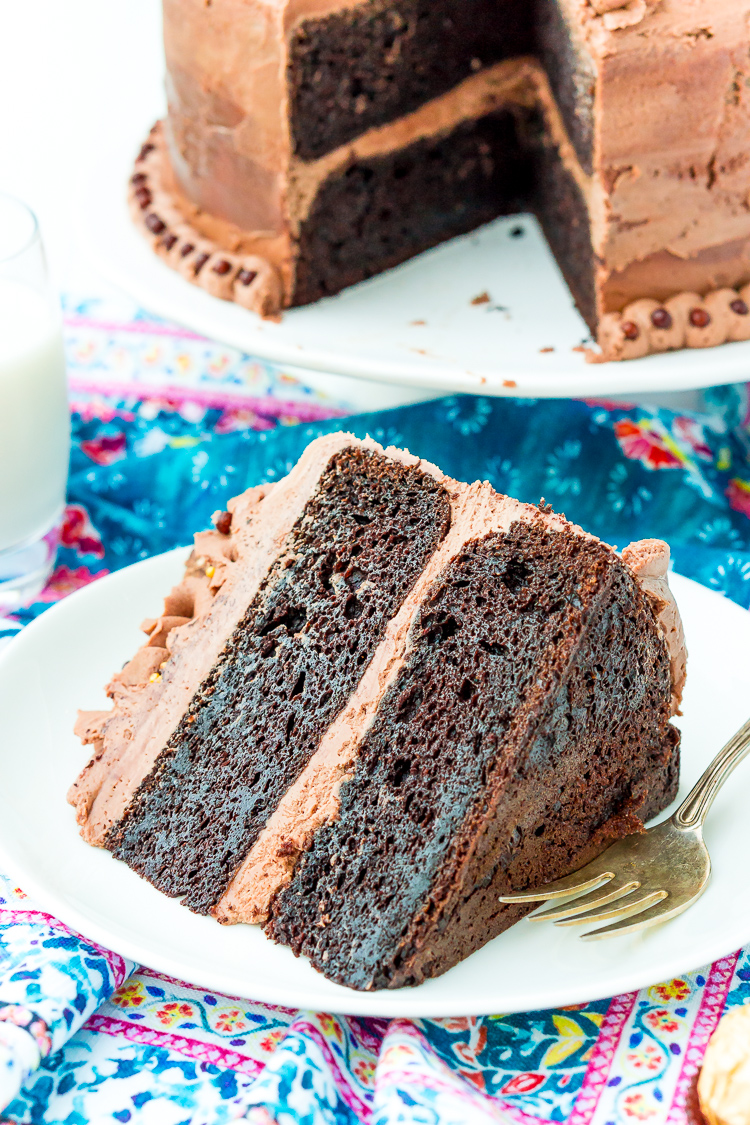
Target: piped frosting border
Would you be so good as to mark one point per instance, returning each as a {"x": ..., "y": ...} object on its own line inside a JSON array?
[{"x": 249, "y": 280}]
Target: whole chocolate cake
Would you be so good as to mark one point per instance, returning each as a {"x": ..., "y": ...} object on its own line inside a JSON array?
[
  {"x": 310, "y": 144},
  {"x": 379, "y": 700}
]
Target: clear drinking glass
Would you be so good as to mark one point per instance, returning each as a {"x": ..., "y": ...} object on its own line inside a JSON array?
[{"x": 34, "y": 418}]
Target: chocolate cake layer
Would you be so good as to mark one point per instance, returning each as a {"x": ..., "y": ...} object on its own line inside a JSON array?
[
  {"x": 529, "y": 723},
  {"x": 375, "y": 213},
  {"x": 290, "y": 666},
  {"x": 371, "y": 63},
  {"x": 559, "y": 203}
]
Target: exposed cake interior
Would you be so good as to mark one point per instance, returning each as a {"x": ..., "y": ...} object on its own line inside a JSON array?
[
  {"x": 289, "y": 663},
  {"x": 288, "y": 669},
  {"x": 153, "y": 691},
  {"x": 313, "y": 800},
  {"x": 367, "y": 63},
  {"x": 529, "y": 720}
]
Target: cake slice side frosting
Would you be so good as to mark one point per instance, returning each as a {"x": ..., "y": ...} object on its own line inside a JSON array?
[{"x": 648, "y": 562}]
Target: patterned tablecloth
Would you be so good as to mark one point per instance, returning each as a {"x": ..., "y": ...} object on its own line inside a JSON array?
[{"x": 166, "y": 427}]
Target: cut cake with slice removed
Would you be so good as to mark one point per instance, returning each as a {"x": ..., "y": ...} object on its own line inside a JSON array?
[
  {"x": 311, "y": 144},
  {"x": 380, "y": 699}
]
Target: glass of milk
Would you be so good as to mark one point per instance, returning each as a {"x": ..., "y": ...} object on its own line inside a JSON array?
[{"x": 34, "y": 418}]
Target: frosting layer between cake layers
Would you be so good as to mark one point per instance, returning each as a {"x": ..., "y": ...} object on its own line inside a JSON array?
[{"x": 209, "y": 796}]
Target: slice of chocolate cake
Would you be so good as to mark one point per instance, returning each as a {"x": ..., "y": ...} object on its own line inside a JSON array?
[{"x": 380, "y": 699}]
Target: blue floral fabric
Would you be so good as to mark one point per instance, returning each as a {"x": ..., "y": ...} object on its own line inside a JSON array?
[{"x": 145, "y": 474}]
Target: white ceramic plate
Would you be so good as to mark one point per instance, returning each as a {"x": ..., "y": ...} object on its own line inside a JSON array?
[
  {"x": 61, "y": 661},
  {"x": 414, "y": 325}
]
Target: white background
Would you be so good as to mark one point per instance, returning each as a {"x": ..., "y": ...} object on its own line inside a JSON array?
[{"x": 72, "y": 73}]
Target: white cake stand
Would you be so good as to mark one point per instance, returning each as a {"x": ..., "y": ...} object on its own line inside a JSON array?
[{"x": 486, "y": 313}]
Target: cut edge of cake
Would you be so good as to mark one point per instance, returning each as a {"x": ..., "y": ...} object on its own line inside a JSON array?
[
  {"x": 258, "y": 277},
  {"x": 458, "y": 794}
]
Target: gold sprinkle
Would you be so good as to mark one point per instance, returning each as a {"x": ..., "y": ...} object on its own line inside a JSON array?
[
  {"x": 155, "y": 677},
  {"x": 210, "y": 571},
  {"x": 163, "y": 664}
]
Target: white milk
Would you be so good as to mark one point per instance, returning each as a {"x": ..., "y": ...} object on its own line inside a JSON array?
[{"x": 34, "y": 421}]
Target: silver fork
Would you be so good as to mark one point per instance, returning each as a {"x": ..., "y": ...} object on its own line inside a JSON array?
[{"x": 649, "y": 876}]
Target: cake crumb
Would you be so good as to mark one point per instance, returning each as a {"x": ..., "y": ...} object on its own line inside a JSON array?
[
  {"x": 481, "y": 299},
  {"x": 509, "y": 383},
  {"x": 418, "y": 322},
  {"x": 544, "y": 350}
]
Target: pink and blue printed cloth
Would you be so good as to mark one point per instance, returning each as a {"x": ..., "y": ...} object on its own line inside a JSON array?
[{"x": 166, "y": 427}]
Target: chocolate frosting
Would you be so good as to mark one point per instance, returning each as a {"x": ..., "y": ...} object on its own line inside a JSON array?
[
  {"x": 672, "y": 125},
  {"x": 648, "y": 562}
]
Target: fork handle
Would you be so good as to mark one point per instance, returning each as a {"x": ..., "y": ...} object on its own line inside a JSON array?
[{"x": 692, "y": 812}]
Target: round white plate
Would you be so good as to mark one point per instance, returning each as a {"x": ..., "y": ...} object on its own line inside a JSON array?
[
  {"x": 61, "y": 661},
  {"x": 415, "y": 324}
]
